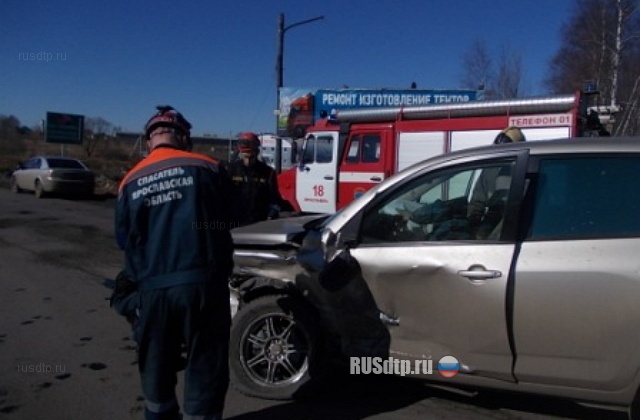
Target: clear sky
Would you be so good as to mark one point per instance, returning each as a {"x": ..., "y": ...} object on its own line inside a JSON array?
[{"x": 215, "y": 60}]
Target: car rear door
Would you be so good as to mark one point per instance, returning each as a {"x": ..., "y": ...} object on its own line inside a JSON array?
[
  {"x": 577, "y": 294},
  {"x": 26, "y": 177},
  {"x": 442, "y": 291}
]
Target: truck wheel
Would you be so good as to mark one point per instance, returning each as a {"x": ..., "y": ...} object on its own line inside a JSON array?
[{"x": 274, "y": 347}]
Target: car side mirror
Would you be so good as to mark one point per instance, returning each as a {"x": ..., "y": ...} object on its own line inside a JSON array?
[{"x": 334, "y": 244}]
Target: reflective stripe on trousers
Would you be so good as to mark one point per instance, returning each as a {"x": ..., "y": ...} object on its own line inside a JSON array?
[
  {"x": 169, "y": 411},
  {"x": 161, "y": 411},
  {"x": 210, "y": 417}
]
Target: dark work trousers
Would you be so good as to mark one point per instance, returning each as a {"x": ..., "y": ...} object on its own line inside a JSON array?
[{"x": 197, "y": 315}]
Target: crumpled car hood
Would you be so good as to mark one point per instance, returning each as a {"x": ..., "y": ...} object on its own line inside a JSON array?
[
  {"x": 273, "y": 233},
  {"x": 268, "y": 249},
  {"x": 290, "y": 251}
]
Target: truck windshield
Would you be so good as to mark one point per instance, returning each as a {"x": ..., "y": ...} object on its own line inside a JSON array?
[{"x": 318, "y": 149}]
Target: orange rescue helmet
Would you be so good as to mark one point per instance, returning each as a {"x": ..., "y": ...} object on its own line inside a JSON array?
[{"x": 166, "y": 116}]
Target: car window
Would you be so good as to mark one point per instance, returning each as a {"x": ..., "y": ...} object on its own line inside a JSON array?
[
  {"x": 324, "y": 149},
  {"x": 364, "y": 148},
  {"x": 587, "y": 197},
  {"x": 32, "y": 164},
  {"x": 64, "y": 163},
  {"x": 309, "y": 151},
  {"x": 371, "y": 148},
  {"x": 354, "y": 150},
  {"x": 443, "y": 206},
  {"x": 318, "y": 149}
]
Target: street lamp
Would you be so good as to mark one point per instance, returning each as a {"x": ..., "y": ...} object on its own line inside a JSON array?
[{"x": 282, "y": 29}]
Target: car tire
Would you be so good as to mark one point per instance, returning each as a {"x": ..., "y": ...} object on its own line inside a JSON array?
[
  {"x": 14, "y": 185},
  {"x": 274, "y": 348},
  {"x": 38, "y": 189}
]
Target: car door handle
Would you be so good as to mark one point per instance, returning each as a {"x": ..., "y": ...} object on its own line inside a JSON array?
[
  {"x": 376, "y": 178},
  {"x": 479, "y": 272},
  {"x": 328, "y": 177}
]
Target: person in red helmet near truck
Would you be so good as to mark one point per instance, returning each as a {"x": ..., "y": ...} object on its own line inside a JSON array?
[
  {"x": 256, "y": 195},
  {"x": 172, "y": 221}
]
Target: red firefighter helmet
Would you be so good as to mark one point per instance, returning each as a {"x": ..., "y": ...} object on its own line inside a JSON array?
[
  {"x": 248, "y": 143},
  {"x": 167, "y": 117}
]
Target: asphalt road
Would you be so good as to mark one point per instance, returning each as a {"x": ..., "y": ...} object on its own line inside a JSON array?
[{"x": 64, "y": 354}]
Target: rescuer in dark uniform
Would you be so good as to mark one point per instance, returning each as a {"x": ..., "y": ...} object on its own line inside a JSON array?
[
  {"x": 256, "y": 195},
  {"x": 172, "y": 221}
]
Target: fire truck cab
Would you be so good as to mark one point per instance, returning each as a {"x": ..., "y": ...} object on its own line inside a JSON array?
[{"x": 343, "y": 157}]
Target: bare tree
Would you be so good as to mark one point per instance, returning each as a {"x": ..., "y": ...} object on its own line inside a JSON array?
[
  {"x": 479, "y": 71},
  {"x": 97, "y": 131},
  {"x": 600, "y": 44},
  {"x": 9, "y": 127},
  {"x": 10, "y": 141},
  {"x": 509, "y": 77},
  {"x": 625, "y": 34},
  {"x": 477, "y": 66}
]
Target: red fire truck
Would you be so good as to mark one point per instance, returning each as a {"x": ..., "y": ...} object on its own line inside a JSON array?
[{"x": 345, "y": 156}]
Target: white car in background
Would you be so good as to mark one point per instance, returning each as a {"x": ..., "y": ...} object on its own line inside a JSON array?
[{"x": 44, "y": 175}]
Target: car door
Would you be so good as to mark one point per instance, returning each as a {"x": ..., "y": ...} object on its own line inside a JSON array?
[
  {"x": 317, "y": 174},
  {"x": 576, "y": 311},
  {"x": 442, "y": 291},
  {"x": 25, "y": 177},
  {"x": 363, "y": 165}
]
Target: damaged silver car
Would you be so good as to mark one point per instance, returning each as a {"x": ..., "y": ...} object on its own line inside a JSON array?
[{"x": 532, "y": 285}]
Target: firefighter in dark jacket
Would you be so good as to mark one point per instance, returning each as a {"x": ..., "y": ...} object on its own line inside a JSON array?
[
  {"x": 172, "y": 220},
  {"x": 256, "y": 195}
]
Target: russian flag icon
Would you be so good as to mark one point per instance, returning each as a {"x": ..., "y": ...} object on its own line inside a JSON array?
[{"x": 448, "y": 366}]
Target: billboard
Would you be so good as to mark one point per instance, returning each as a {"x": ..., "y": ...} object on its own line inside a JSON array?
[
  {"x": 64, "y": 128},
  {"x": 300, "y": 107}
]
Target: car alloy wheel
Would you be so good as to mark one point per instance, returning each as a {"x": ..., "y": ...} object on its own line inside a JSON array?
[{"x": 273, "y": 347}]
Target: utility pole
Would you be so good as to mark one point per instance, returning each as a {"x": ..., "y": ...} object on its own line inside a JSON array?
[{"x": 282, "y": 29}]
